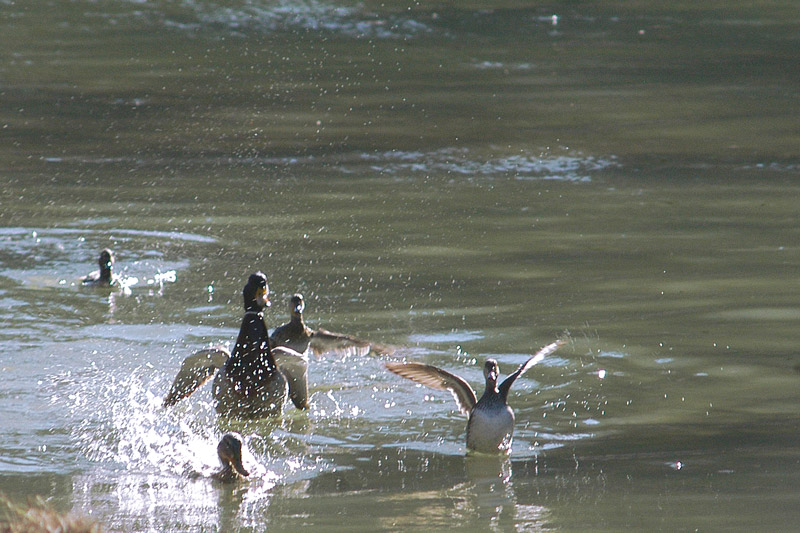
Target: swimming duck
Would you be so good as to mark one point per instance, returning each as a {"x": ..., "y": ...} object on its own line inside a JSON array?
[
  {"x": 296, "y": 335},
  {"x": 105, "y": 276},
  {"x": 253, "y": 380},
  {"x": 229, "y": 451},
  {"x": 491, "y": 421}
]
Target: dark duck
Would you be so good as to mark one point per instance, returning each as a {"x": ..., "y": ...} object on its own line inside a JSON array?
[
  {"x": 254, "y": 379},
  {"x": 490, "y": 428},
  {"x": 105, "y": 276},
  {"x": 296, "y": 335},
  {"x": 229, "y": 451}
]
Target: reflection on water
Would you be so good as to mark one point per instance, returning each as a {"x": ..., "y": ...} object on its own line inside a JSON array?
[{"x": 490, "y": 487}]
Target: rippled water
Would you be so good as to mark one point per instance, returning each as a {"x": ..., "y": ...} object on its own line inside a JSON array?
[{"x": 458, "y": 181}]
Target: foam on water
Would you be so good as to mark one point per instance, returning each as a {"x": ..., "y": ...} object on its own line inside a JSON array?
[
  {"x": 306, "y": 15},
  {"x": 454, "y": 161},
  {"x": 243, "y": 17},
  {"x": 462, "y": 162}
]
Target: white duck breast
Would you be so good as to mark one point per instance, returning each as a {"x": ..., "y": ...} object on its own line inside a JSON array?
[{"x": 490, "y": 429}]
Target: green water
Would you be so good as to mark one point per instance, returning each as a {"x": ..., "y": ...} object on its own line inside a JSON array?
[{"x": 457, "y": 180}]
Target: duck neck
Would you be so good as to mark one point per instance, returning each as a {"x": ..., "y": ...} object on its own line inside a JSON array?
[
  {"x": 225, "y": 474},
  {"x": 252, "y": 361},
  {"x": 491, "y": 397},
  {"x": 253, "y": 307}
]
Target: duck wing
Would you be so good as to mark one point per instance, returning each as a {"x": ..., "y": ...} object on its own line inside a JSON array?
[
  {"x": 90, "y": 278},
  {"x": 524, "y": 367},
  {"x": 437, "y": 378},
  {"x": 293, "y": 335},
  {"x": 196, "y": 370},
  {"x": 323, "y": 341},
  {"x": 294, "y": 366}
]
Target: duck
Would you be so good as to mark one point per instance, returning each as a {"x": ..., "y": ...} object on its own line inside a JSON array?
[
  {"x": 490, "y": 428},
  {"x": 296, "y": 335},
  {"x": 104, "y": 277},
  {"x": 229, "y": 451},
  {"x": 255, "y": 379}
]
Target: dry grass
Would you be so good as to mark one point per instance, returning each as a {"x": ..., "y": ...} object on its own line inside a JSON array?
[{"x": 38, "y": 517}]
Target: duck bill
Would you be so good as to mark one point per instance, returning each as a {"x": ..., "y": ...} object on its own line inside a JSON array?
[
  {"x": 239, "y": 467},
  {"x": 263, "y": 296}
]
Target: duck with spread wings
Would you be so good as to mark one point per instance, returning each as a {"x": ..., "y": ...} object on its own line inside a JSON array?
[
  {"x": 253, "y": 380},
  {"x": 296, "y": 335},
  {"x": 491, "y": 421}
]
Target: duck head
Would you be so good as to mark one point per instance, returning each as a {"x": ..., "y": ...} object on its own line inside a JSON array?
[
  {"x": 490, "y": 372},
  {"x": 256, "y": 293},
  {"x": 297, "y": 305},
  {"x": 229, "y": 451},
  {"x": 106, "y": 263}
]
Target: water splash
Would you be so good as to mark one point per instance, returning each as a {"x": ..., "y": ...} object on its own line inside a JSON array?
[{"x": 119, "y": 422}]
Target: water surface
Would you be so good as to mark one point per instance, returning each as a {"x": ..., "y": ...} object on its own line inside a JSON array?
[{"x": 461, "y": 182}]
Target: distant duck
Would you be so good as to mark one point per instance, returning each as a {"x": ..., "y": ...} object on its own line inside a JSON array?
[
  {"x": 105, "y": 276},
  {"x": 296, "y": 335},
  {"x": 253, "y": 380},
  {"x": 491, "y": 421},
  {"x": 229, "y": 451}
]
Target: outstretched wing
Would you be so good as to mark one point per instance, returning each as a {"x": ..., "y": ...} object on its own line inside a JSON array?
[
  {"x": 196, "y": 370},
  {"x": 438, "y": 379},
  {"x": 524, "y": 367},
  {"x": 323, "y": 341},
  {"x": 294, "y": 366}
]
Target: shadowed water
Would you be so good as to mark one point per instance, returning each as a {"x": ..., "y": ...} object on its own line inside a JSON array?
[{"x": 458, "y": 181}]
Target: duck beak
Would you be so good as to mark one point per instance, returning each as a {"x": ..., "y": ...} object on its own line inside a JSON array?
[
  {"x": 263, "y": 295},
  {"x": 237, "y": 465},
  {"x": 490, "y": 371}
]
